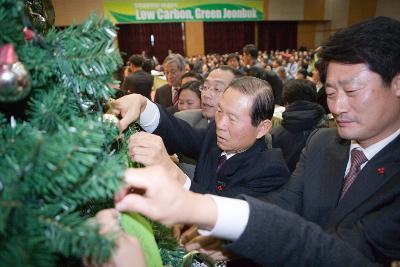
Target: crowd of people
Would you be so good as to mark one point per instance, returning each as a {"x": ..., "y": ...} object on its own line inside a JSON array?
[
  {"x": 287, "y": 65},
  {"x": 311, "y": 196}
]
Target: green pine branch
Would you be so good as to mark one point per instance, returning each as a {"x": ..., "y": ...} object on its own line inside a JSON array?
[
  {"x": 60, "y": 166},
  {"x": 72, "y": 237},
  {"x": 10, "y": 22},
  {"x": 49, "y": 110}
]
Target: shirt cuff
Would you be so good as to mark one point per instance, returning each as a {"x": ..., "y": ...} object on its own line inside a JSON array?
[
  {"x": 188, "y": 183},
  {"x": 233, "y": 215},
  {"x": 150, "y": 117}
]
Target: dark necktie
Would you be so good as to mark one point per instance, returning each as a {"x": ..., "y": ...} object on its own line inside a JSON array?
[
  {"x": 220, "y": 183},
  {"x": 357, "y": 159},
  {"x": 221, "y": 162}
]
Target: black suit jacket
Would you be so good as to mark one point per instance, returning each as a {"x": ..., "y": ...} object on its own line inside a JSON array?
[
  {"x": 291, "y": 144},
  {"x": 256, "y": 171},
  {"x": 164, "y": 95},
  {"x": 310, "y": 227}
]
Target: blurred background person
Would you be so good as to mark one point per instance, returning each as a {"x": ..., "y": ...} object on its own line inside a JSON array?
[
  {"x": 139, "y": 82},
  {"x": 302, "y": 115},
  {"x": 190, "y": 96},
  {"x": 318, "y": 77},
  {"x": 174, "y": 68}
]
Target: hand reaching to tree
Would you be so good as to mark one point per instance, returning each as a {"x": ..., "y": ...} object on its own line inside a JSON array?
[
  {"x": 161, "y": 197},
  {"x": 149, "y": 150},
  {"x": 129, "y": 107}
]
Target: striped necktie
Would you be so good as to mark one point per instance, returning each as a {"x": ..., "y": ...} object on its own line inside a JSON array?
[
  {"x": 357, "y": 159},
  {"x": 175, "y": 92}
]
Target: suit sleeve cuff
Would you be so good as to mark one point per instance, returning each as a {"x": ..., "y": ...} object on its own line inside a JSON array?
[
  {"x": 150, "y": 117},
  {"x": 233, "y": 215}
]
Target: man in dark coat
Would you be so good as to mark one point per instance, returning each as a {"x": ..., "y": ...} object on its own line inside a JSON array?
[
  {"x": 237, "y": 137},
  {"x": 301, "y": 117}
]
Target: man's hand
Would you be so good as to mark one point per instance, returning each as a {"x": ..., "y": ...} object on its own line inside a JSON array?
[
  {"x": 163, "y": 198},
  {"x": 178, "y": 230},
  {"x": 192, "y": 240},
  {"x": 129, "y": 107},
  {"x": 210, "y": 246},
  {"x": 188, "y": 234},
  {"x": 127, "y": 252},
  {"x": 148, "y": 149}
]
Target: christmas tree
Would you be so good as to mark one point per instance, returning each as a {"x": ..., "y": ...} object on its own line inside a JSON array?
[{"x": 58, "y": 163}]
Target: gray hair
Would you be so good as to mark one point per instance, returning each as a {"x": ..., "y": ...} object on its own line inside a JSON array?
[{"x": 175, "y": 58}]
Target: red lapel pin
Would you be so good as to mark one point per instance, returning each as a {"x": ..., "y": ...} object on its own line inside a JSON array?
[{"x": 381, "y": 170}]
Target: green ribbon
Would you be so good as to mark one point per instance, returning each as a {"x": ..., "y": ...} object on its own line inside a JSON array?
[{"x": 139, "y": 227}]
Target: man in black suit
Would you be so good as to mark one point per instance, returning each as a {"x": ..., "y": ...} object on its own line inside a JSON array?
[
  {"x": 136, "y": 80},
  {"x": 341, "y": 206},
  {"x": 139, "y": 82},
  {"x": 250, "y": 54},
  {"x": 174, "y": 68},
  {"x": 237, "y": 137}
]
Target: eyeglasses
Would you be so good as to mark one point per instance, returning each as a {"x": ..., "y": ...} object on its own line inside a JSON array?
[{"x": 216, "y": 89}]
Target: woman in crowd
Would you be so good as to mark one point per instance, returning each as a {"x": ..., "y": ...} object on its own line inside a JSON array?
[{"x": 189, "y": 96}]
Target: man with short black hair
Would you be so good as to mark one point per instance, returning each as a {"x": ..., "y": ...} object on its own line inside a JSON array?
[
  {"x": 135, "y": 62},
  {"x": 137, "y": 80},
  {"x": 250, "y": 53}
]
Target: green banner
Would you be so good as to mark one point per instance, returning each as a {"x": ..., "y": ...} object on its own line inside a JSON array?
[{"x": 131, "y": 11}]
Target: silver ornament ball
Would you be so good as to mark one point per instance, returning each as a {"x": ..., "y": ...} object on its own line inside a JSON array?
[{"x": 15, "y": 82}]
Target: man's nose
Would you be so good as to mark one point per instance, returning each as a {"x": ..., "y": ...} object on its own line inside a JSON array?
[
  {"x": 220, "y": 121},
  {"x": 339, "y": 104}
]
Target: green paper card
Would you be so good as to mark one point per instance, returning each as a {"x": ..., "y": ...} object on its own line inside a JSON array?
[{"x": 136, "y": 225}]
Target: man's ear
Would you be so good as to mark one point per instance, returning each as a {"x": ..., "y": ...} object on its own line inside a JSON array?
[
  {"x": 396, "y": 84},
  {"x": 263, "y": 128}
]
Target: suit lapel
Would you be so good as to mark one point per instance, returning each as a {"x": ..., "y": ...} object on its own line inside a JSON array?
[
  {"x": 210, "y": 177},
  {"x": 331, "y": 182},
  {"x": 373, "y": 176},
  {"x": 230, "y": 167},
  {"x": 168, "y": 97}
]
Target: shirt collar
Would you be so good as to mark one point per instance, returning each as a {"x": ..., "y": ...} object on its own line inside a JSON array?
[
  {"x": 372, "y": 150},
  {"x": 228, "y": 156}
]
